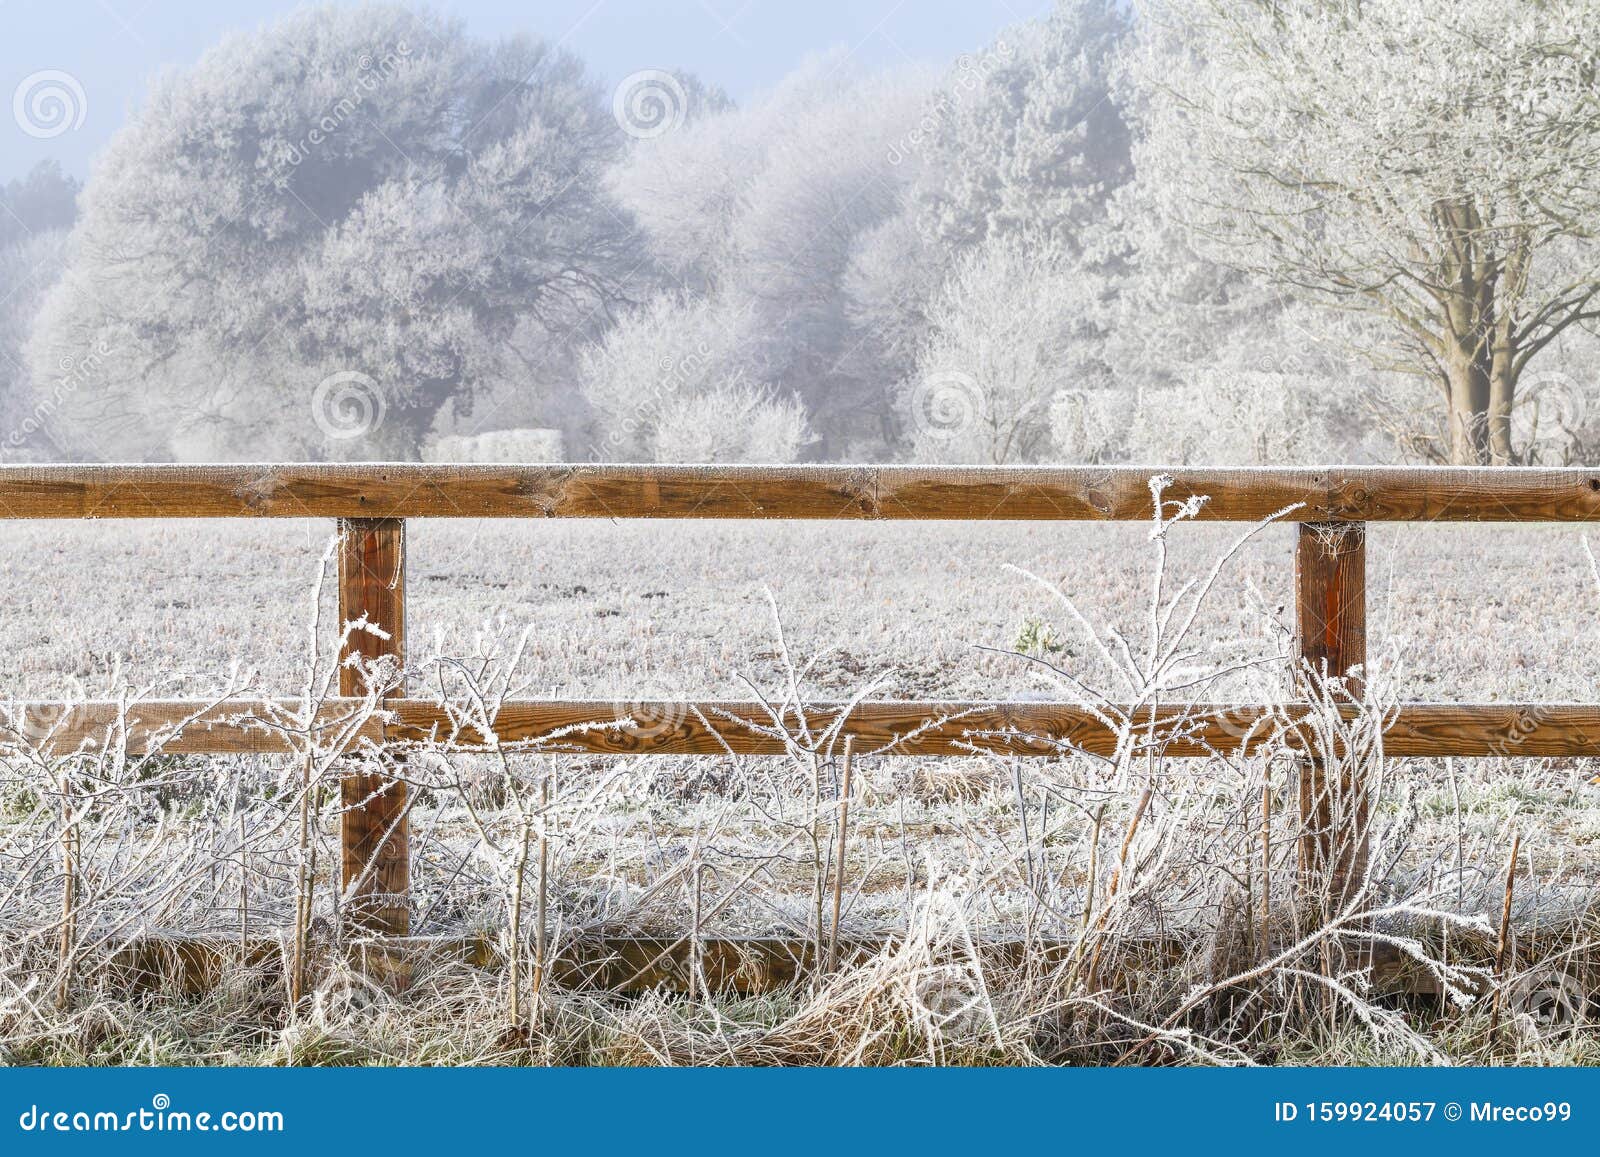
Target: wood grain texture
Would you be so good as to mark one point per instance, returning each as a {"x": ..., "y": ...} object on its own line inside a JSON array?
[
  {"x": 374, "y": 829},
  {"x": 1330, "y": 584},
  {"x": 1083, "y": 493},
  {"x": 929, "y": 728}
]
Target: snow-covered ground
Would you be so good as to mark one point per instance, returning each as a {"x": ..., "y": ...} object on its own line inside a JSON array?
[{"x": 680, "y": 608}]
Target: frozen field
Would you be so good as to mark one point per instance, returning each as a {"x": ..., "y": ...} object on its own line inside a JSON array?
[{"x": 662, "y": 609}]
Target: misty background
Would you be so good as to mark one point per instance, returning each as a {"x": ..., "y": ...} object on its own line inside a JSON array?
[{"x": 1184, "y": 232}]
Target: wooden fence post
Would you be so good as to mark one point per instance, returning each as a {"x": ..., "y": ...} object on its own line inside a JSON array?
[
  {"x": 1330, "y": 580},
  {"x": 374, "y": 831}
]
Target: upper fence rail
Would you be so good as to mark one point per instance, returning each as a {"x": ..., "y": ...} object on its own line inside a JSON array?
[{"x": 914, "y": 493}]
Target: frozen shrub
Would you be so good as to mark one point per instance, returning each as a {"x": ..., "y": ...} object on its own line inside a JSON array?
[
  {"x": 1232, "y": 418},
  {"x": 732, "y": 423},
  {"x": 654, "y": 362},
  {"x": 525, "y": 445},
  {"x": 1091, "y": 426}
]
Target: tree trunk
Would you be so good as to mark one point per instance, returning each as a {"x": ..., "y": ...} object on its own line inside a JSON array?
[
  {"x": 1467, "y": 272},
  {"x": 1509, "y": 288},
  {"x": 1502, "y": 390},
  {"x": 1469, "y": 406}
]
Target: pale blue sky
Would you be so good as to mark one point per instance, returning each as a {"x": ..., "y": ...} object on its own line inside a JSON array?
[{"x": 112, "y": 47}]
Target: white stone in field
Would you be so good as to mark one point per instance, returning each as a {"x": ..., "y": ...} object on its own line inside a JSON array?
[{"x": 522, "y": 445}]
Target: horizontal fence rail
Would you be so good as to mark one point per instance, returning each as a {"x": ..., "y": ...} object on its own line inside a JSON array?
[
  {"x": 372, "y": 502},
  {"x": 915, "y": 493},
  {"x": 720, "y": 726}
]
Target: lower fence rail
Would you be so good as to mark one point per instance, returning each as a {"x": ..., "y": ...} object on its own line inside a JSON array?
[{"x": 723, "y": 727}]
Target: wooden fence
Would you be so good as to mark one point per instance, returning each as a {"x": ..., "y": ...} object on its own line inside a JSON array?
[{"x": 373, "y": 501}]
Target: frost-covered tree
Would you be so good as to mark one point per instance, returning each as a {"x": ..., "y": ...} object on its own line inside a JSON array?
[
  {"x": 1014, "y": 324},
  {"x": 35, "y": 213},
  {"x": 1022, "y": 139},
  {"x": 674, "y": 381},
  {"x": 28, "y": 267},
  {"x": 1432, "y": 164},
  {"x": 329, "y": 231},
  {"x": 45, "y": 200},
  {"x": 1176, "y": 308},
  {"x": 1182, "y": 324},
  {"x": 1038, "y": 144},
  {"x": 684, "y": 185},
  {"x": 760, "y": 209},
  {"x": 1262, "y": 410},
  {"x": 1092, "y": 425},
  {"x": 1235, "y": 418},
  {"x": 732, "y": 422}
]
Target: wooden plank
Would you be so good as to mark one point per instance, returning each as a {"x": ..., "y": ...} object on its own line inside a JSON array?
[
  {"x": 374, "y": 830},
  {"x": 186, "y": 726},
  {"x": 708, "y": 727},
  {"x": 1330, "y": 579},
  {"x": 1092, "y": 493}
]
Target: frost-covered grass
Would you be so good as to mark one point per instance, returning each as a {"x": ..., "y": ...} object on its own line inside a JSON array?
[
  {"x": 1474, "y": 612},
  {"x": 1112, "y": 859}
]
